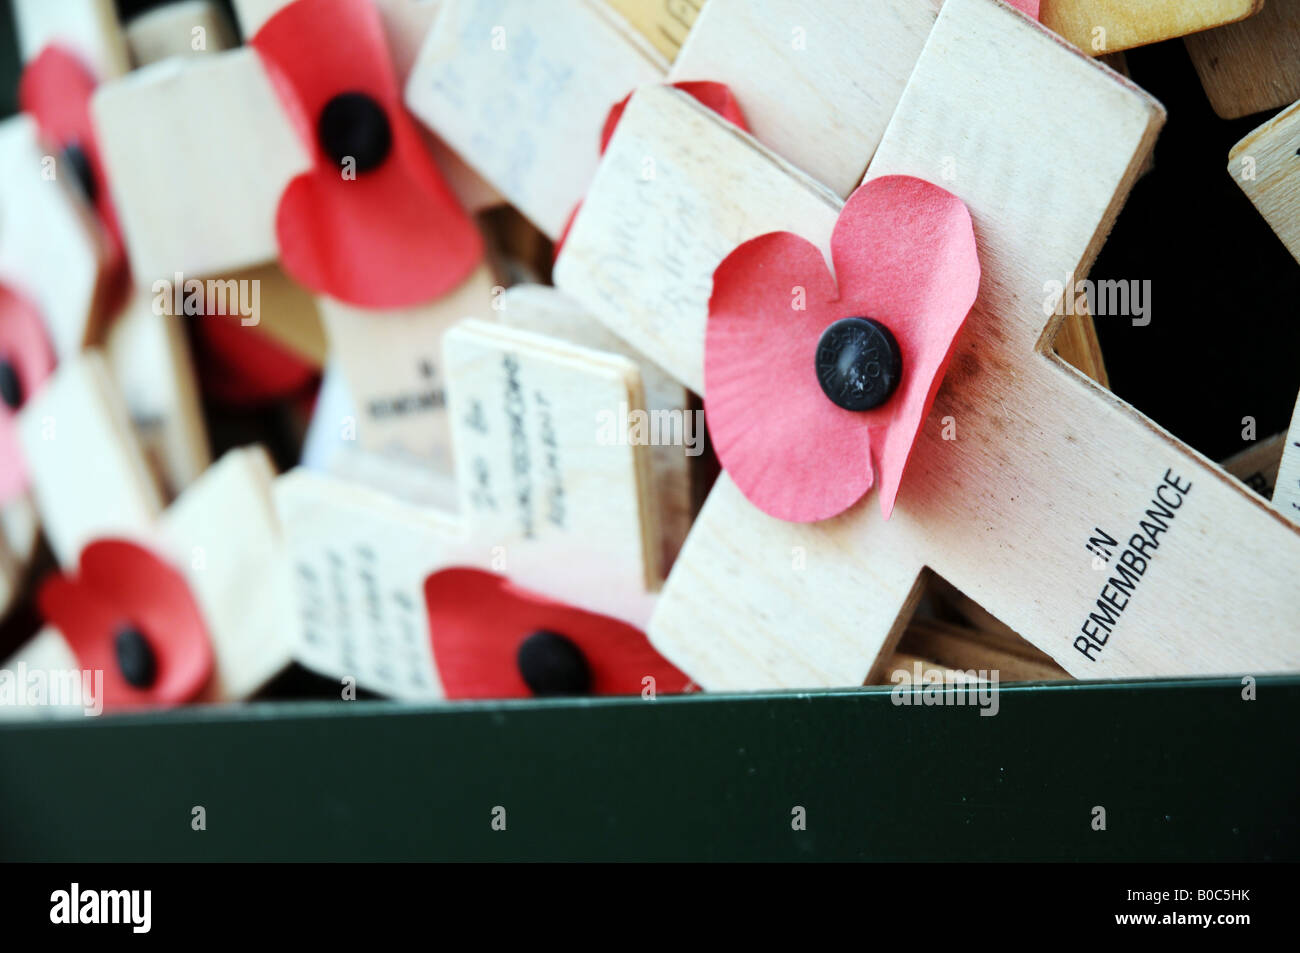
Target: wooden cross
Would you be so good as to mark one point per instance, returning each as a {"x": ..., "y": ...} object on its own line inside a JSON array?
[
  {"x": 1045, "y": 464},
  {"x": 542, "y": 501},
  {"x": 91, "y": 481}
]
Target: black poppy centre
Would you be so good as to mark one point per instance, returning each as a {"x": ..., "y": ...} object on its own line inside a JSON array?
[
  {"x": 354, "y": 126},
  {"x": 859, "y": 363}
]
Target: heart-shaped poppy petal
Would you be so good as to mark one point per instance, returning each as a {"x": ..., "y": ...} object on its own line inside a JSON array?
[
  {"x": 386, "y": 237},
  {"x": 478, "y": 620},
  {"x": 905, "y": 255},
  {"x": 793, "y": 453},
  {"x": 123, "y": 584},
  {"x": 30, "y": 359}
]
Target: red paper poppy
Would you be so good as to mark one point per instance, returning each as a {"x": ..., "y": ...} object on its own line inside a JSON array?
[
  {"x": 26, "y": 360},
  {"x": 55, "y": 90},
  {"x": 242, "y": 367},
  {"x": 394, "y": 235},
  {"x": 717, "y": 96},
  {"x": 904, "y": 256},
  {"x": 480, "y": 620},
  {"x": 120, "y": 585}
]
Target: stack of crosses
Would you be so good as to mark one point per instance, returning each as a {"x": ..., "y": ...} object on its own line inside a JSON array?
[{"x": 1037, "y": 509}]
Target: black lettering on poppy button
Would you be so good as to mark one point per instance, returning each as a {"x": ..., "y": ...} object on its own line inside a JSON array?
[
  {"x": 353, "y": 124},
  {"x": 135, "y": 657},
  {"x": 552, "y": 665},
  {"x": 81, "y": 171},
  {"x": 859, "y": 363},
  {"x": 11, "y": 388}
]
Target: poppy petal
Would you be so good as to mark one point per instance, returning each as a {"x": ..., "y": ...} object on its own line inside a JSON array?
[
  {"x": 478, "y": 620},
  {"x": 24, "y": 346},
  {"x": 389, "y": 237},
  {"x": 905, "y": 254},
  {"x": 242, "y": 367},
  {"x": 793, "y": 453},
  {"x": 123, "y": 583}
]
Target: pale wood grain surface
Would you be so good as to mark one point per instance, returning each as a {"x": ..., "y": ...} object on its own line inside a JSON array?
[
  {"x": 89, "y": 473},
  {"x": 522, "y": 98},
  {"x": 200, "y": 200},
  {"x": 1124, "y": 24},
  {"x": 1253, "y": 65},
  {"x": 170, "y": 30},
  {"x": 817, "y": 82},
  {"x": 1266, "y": 165}
]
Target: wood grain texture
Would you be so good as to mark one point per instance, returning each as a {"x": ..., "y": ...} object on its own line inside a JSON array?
[
  {"x": 1107, "y": 26},
  {"x": 1253, "y": 65},
  {"x": 149, "y": 357},
  {"x": 1043, "y": 458},
  {"x": 522, "y": 98},
  {"x": 1266, "y": 165},
  {"x": 89, "y": 472},
  {"x": 675, "y": 474},
  {"x": 542, "y": 501},
  {"x": 392, "y": 362},
  {"x": 200, "y": 200},
  {"x": 51, "y": 247},
  {"x": 964, "y": 649},
  {"x": 703, "y": 194},
  {"x": 1286, "y": 494},
  {"x": 1257, "y": 465},
  {"x": 664, "y": 23},
  {"x": 169, "y": 30},
  {"x": 223, "y": 534},
  {"x": 817, "y": 82},
  {"x": 88, "y": 27}
]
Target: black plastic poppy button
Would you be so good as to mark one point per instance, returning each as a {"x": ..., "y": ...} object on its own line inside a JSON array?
[
  {"x": 11, "y": 388},
  {"x": 135, "y": 657},
  {"x": 552, "y": 665},
  {"x": 859, "y": 363},
  {"x": 354, "y": 125},
  {"x": 85, "y": 176}
]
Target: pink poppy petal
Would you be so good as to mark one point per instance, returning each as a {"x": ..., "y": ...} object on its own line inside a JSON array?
[
  {"x": 793, "y": 453},
  {"x": 1028, "y": 7},
  {"x": 905, "y": 255}
]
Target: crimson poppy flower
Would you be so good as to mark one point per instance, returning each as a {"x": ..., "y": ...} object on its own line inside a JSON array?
[
  {"x": 240, "y": 367},
  {"x": 130, "y": 615},
  {"x": 372, "y": 223},
  {"x": 717, "y": 96},
  {"x": 26, "y": 360},
  {"x": 492, "y": 639},
  {"x": 55, "y": 90},
  {"x": 854, "y": 359}
]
